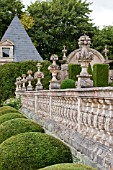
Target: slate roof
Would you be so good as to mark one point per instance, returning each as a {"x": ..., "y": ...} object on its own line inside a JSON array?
[{"x": 24, "y": 49}]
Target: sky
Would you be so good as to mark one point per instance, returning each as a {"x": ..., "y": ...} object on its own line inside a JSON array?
[{"x": 102, "y": 14}]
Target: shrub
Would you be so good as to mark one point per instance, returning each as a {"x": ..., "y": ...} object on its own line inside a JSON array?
[
  {"x": 7, "y": 109},
  {"x": 67, "y": 84},
  {"x": 31, "y": 151},
  {"x": 16, "y": 126},
  {"x": 10, "y": 116},
  {"x": 9, "y": 72},
  {"x": 13, "y": 102},
  {"x": 68, "y": 166},
  {"x": 100, "y": 75},
  {"x": 89, "y": 70},
  {"x": 74, "y": 70}
]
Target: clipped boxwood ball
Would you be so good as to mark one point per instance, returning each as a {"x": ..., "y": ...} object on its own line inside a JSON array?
[
  {"x": 31, "y": 151},
  {"x": 68, "y": 166},
  {"x": 19, "y": 125},
  {"x": 10, "y": 116},
  {"x": 67, "y": 84},
  {"x": 7, "y": 109}
]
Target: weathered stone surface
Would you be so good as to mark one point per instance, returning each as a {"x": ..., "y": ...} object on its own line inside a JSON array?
[{"x": 81, "y": 118}]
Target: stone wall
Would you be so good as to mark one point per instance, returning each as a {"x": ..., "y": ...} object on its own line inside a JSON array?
[{"x": 83, "y": 118}]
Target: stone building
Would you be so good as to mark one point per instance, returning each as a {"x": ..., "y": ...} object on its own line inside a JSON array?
[{"x": 16, "y": 45}]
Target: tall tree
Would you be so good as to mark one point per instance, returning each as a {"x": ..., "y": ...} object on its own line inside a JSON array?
[
  {"x": 58, "y": 23},
  {"x": 8, "y": 8},
  {"x": 103, "y": 37}
]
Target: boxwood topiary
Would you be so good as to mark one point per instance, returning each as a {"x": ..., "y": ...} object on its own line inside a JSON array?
[
  {"x": 16, "y": 126},
  {"x": 100, "y": 75},
  {"x": 67, "y": 84},
  {"x": 68, "y": 166},
  {"x": 7, "y": 109},
  {"x": 10, "y": 116},
  {"x": 31, "y": 151},
  {"x": 74, "y": 70}
]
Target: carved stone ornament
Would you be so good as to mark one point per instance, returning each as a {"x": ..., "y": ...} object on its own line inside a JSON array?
[
  {"x": 38, "y": 75},
  {"x": 54, "y": 68},
  {"x": 84, "y": 58},
  {"x": 29, "y": 79}
]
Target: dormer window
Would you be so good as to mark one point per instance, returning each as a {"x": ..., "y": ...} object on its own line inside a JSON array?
[{"x": 5, "y": 52}]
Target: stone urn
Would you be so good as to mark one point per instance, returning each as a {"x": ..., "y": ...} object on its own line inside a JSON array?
[
  {"x": 38, "y": 75},
  {"x": 23, "y": 82},
  {"x": 29, "y": 78},
  {"x": 54, "y": 68}
]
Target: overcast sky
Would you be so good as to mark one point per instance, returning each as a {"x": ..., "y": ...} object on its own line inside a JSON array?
[{"x": 102, "y": 11}]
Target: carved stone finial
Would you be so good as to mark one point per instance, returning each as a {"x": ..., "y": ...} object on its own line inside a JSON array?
[
  {"x": 64, "y": 51},
  {"x": 23, "y": 82},
  {"x": 84, "y": 40},
  {"x": 84, "y": 58},
  {"x": 106, "y": 52},
  {"x": 29, "y": 79},
  {"x": 84, "y": 44},
  {"x": 19, "y": 83},
  {"x": 54, "y": 68},
  {"x": 39, "y": 75}
]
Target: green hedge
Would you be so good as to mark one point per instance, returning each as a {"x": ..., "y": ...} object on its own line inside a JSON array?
[
  {"x": 10, "y": 116},
  {"x": 7, "y": 109},
  {"x": 67, "y": 84},
  {"x": 18, "y": 125},
  {"x": 9, "y": 73},
  {"x": 31, "y": 151},
  {"x": 68, "y": 166},
  {"x": 100, "y": 75},
  {"x": 13, "y": 102},
  {"x": 73, "y": 71}
]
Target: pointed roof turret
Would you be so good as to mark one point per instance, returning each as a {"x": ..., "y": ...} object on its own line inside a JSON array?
[{"x": 24, "y": 49}]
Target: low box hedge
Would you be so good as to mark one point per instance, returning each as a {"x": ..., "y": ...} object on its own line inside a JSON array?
[
  {"x": 7, "y": 109},
  {"x": 10, "y": 116},
  {"x": 19, "y": 125},
  {"x": 67, "y": 84},
  {"x": 31, "y": 151},
  {"x": 68, "y": 166}
]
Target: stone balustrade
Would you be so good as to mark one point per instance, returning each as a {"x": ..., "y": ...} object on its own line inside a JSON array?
[{"x": 83, "y": 118}]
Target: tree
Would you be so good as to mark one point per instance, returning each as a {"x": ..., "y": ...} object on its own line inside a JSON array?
[
  {"x": 104, "y": 37},
  {"x": 58, "y": 23},
  {"x": 8, "y": 9},
  {"x": 27, "y": 21}
]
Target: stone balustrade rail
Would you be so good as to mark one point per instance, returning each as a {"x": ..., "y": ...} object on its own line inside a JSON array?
[{"x": 83, "y": 118}]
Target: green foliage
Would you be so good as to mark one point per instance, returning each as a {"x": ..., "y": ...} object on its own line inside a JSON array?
[
  {"x": 8, "y": 9},
  {"x": 59, "y": 22},
  {"x": 100, "y": 75},
  {"x": 9, "y": 73},
  {"x": 18, "y": 125},
  {"x": 7, "y": 109},
  {"x": 10, "y": 116},
  {"x": 31, "y": 151},
  {"x": 90, "y": 70},
  {"x": 13, "y": 102},
  {"x": 74, "y": 70},
  {"x": 68, "y": 166},
  {"x": 104, "y": 37},
  {"x": 67, "y": 84}
]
